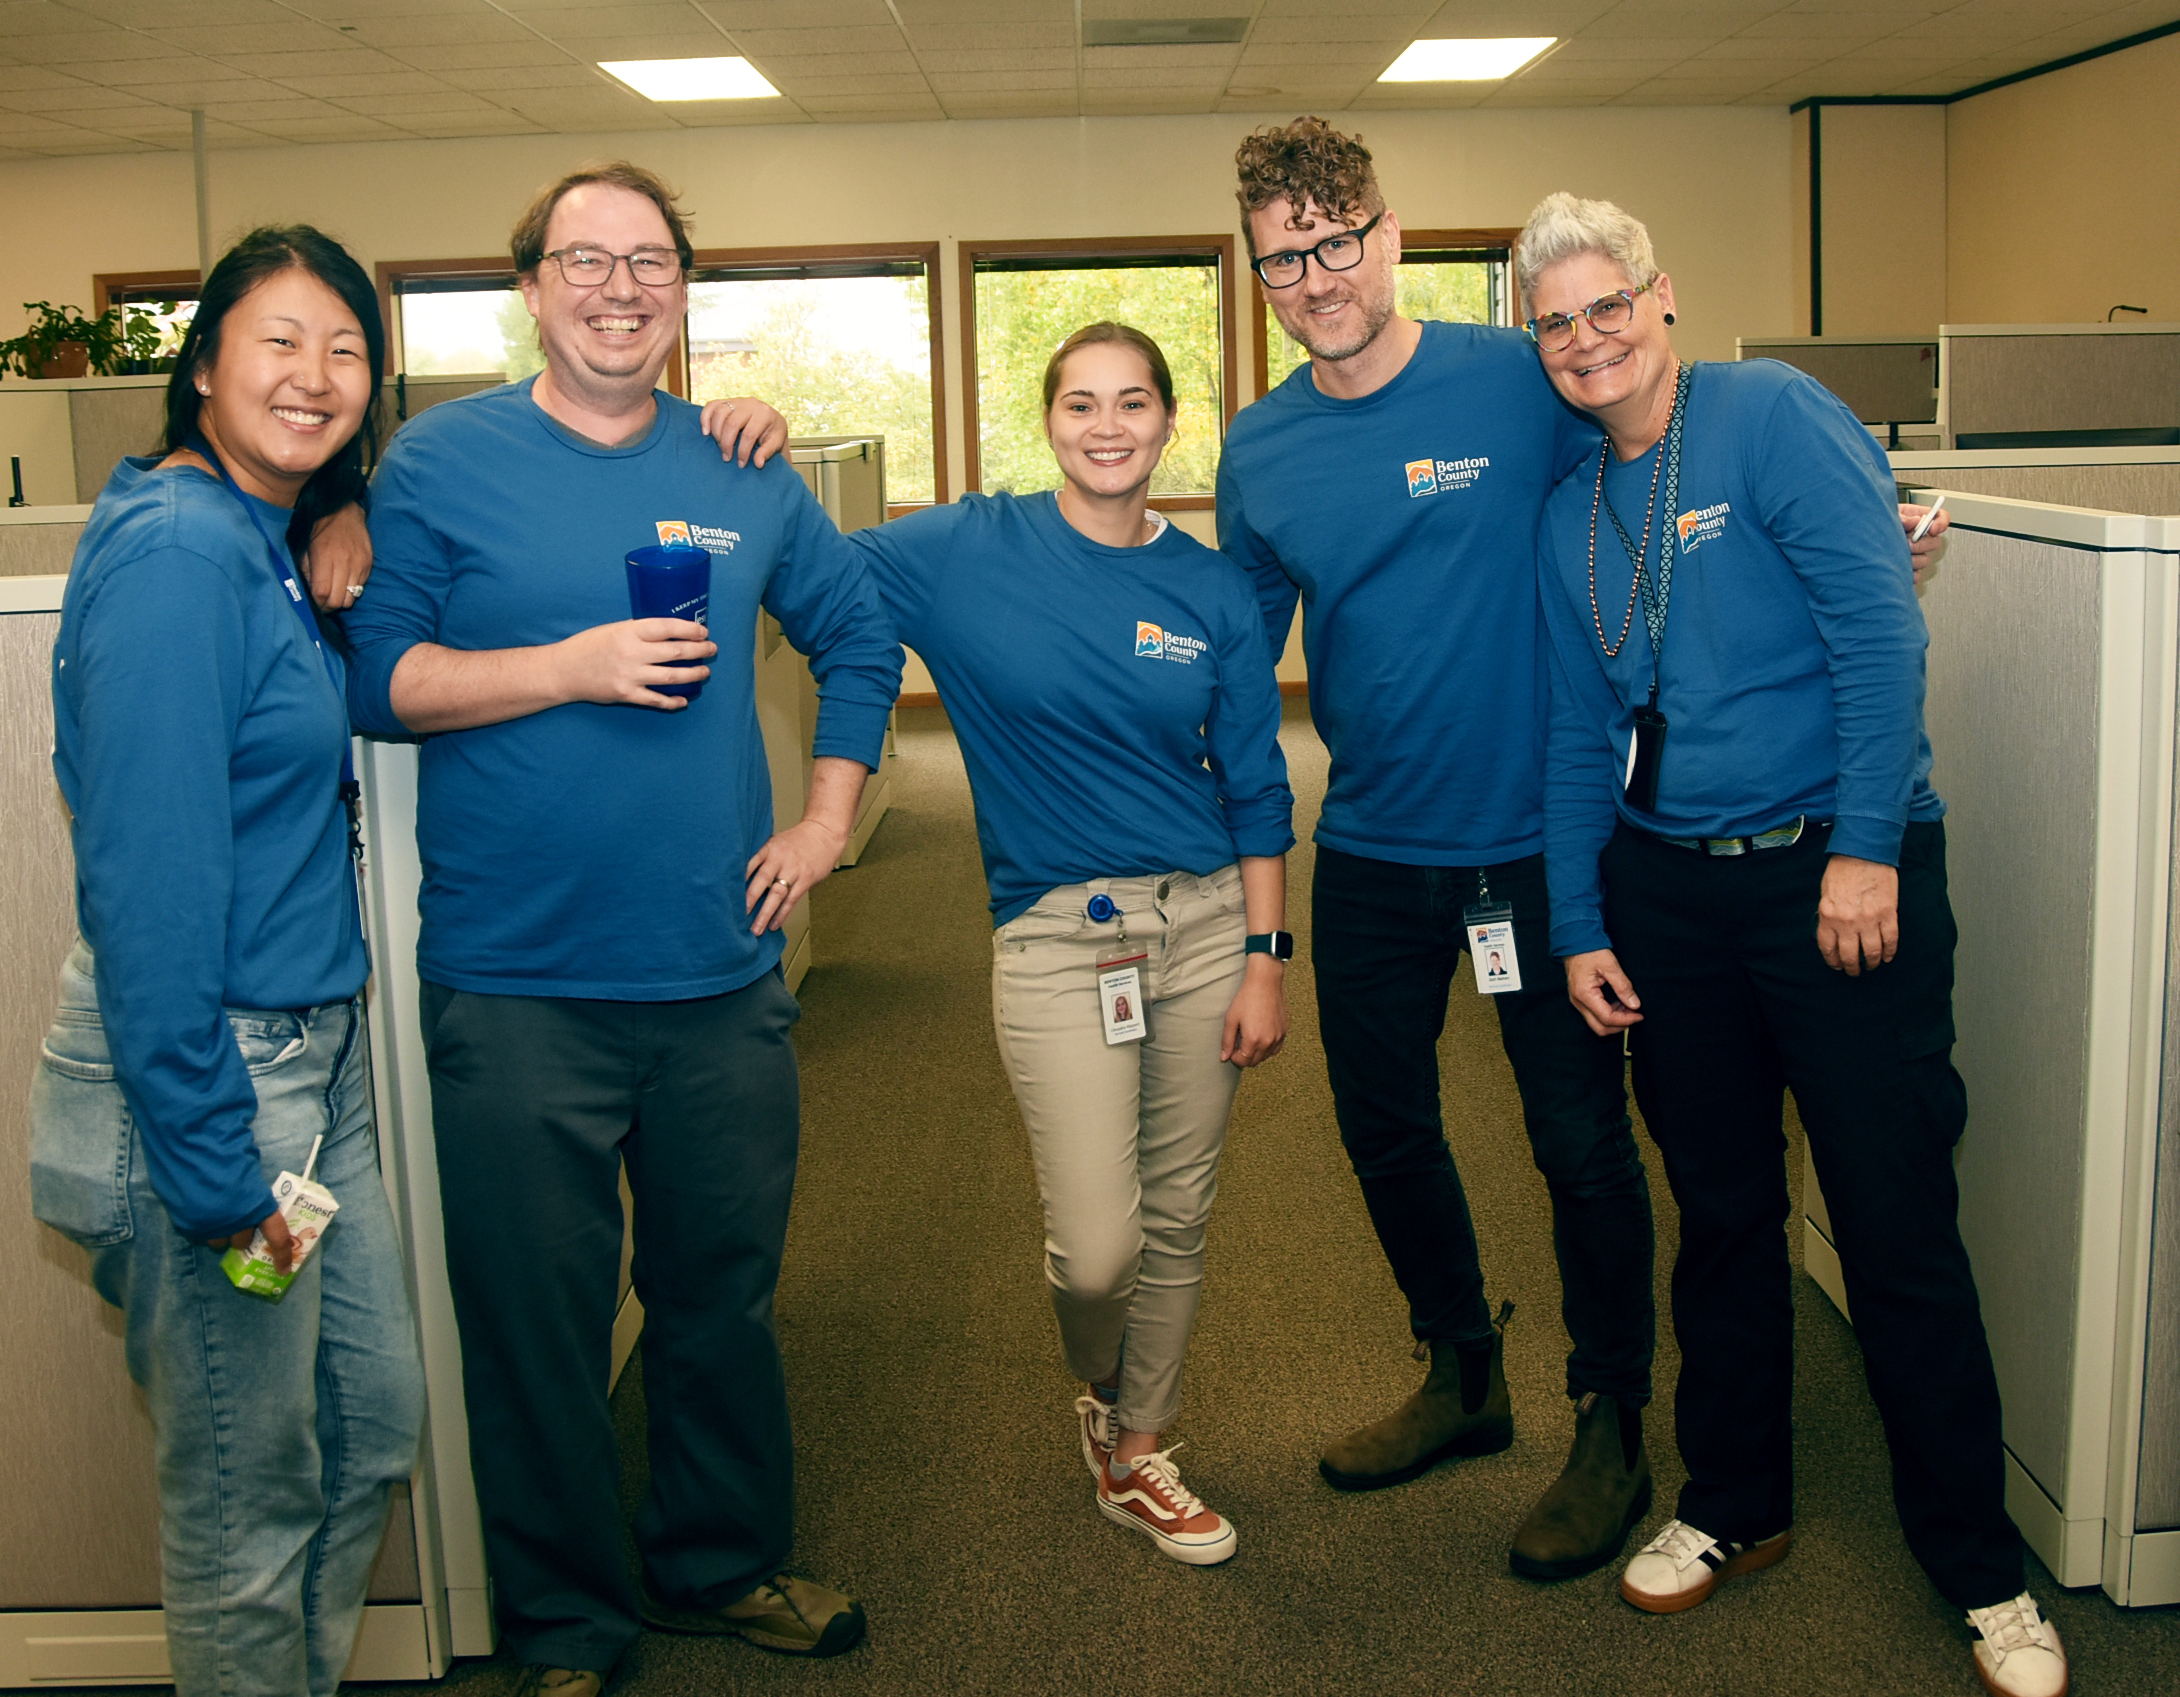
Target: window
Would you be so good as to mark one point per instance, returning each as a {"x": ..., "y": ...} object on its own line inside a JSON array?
[
  {"x": 170, "y": 297},
  {"x": 1465, "y": 276},
  {"x": 1025, "y": 298},
  {"x": 462, "y": 317},
  {"x": 838, "y": 338}
]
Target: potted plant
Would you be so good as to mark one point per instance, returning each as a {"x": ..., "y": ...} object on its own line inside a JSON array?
[{"x": 61, "y": 342}]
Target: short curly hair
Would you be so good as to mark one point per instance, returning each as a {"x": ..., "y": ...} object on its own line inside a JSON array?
[{"x": 1307, "y": 160}]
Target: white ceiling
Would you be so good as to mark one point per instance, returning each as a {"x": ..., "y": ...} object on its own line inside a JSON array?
[{"x": 108, "y": 76}]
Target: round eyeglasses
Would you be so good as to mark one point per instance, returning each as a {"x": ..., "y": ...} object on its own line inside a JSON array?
[
  {"x": 588, "y": 267},
  {"x": 1342, "y": 251},
  {"x": 1608, "y": 316}
]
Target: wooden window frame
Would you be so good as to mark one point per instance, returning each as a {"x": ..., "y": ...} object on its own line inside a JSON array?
[
  {"x": 1421, "y": 240},
  {"x": 1220, "y": 249},
  {"x": 392, "y": 271},
  {"x": 925, "y": 254},
  {"x": 106, "y": 284}
]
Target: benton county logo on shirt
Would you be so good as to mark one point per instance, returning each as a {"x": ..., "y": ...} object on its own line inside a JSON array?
[
  {"x": 696, "y": 536},
  {"x": 1153, "y": 642},
  {"x": 1702, "y": 525},
  {"x": 1428, "y": 477}
]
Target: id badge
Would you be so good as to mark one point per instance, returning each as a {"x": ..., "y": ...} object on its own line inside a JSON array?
[
  {"x": 1120, "y": 994},
  {"x": 1490, "y": 930},
  {"x": 1645, "y": 749}
]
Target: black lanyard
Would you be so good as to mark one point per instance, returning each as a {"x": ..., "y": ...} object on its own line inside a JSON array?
[
  {"x": 350, "y": 791},
  {"x": 1655, "y": 588}
]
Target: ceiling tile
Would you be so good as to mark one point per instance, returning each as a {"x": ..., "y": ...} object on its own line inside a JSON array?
[
  {"x": 938, "y": 37},
  {"x": 1110, "y": 81},
  {"x": 45, "y": 76},
  {"x": 800, "y": 89},
  {"x": 772, "y": 14},
  {"x": 78, "y": 99},
  {"x": 764, "y": 42},
  {"x": 368, "y": 82},
  {"x": 451, "y": 126},
  {"x": 297, "y": 35},
  {"x": 162, "y": 72},
  {"x": 1208, "y": 58},
  {"x": 998, "y": 59},
  {"x": 1000, "y": 82},
  {"x": 484, "y": 57},
  {"x": 494, "y": 79},
  {"x": 445, "y": 102},
  {"x": 182, "y": 14},
  {"x": 393, "y": 34},
  {"x": 61, "y": 47},
  {"x": 263, "y": 111},
  {"x": 777, "y": 66}
]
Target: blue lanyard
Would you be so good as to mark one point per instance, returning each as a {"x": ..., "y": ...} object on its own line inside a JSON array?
[{"x": 350, "y": 789}]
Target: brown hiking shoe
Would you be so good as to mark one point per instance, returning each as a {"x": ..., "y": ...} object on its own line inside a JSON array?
[
  {"x": 797, "y": 1617},
  {"x": 1583, "y": 1521},
  {"x": 1433, "y": 1425}
]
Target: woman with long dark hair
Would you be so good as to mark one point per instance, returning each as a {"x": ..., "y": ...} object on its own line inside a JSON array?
[{"x": 210, "y": 1033}]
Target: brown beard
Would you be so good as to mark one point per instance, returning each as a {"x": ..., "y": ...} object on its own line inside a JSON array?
[{"x": 1373, "y": 322}]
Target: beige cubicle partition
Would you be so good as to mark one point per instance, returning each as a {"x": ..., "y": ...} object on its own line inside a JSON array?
[
  {"x": 2115, "y": 480},
  {"x": 71, "y": 432},
  {"x": 2014, "y": 379},
  {"x": 2051, "y": 708},
  {"x": 1889, "y": 381},
  {"x": 79, "y": 1520}
]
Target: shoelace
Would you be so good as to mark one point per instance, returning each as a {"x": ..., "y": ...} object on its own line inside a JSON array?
[
  {"x": 1158, "y": 1464},
  {"x": 2010, "y": 1626},
  {"x": 1681, "y": 1542}
]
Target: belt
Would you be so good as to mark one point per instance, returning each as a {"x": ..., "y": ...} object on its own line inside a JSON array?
[{"x": 1784, "y": 837}]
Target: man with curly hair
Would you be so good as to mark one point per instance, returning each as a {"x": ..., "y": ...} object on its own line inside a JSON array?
[{"x": 1394, "y": 483}]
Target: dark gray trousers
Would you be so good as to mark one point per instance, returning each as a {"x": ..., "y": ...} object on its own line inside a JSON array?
[{"x": 537, "y": 1102}]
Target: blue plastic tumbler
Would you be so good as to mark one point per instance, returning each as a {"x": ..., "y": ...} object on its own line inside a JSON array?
[{"x": 672, "y": 582}]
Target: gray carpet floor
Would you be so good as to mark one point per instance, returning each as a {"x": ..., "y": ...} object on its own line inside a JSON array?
[{"x": 938, "y": 1475}]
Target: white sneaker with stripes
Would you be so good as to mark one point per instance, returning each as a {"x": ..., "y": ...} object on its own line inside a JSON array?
[{"x": 1682, "y": 1566}]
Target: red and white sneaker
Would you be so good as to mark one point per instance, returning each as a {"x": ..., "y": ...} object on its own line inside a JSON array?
[
  {"x": 1095, "y": 1416},
  {"x": 1153, "y": 1500},
  {"x": 2018, "y": 1653}
]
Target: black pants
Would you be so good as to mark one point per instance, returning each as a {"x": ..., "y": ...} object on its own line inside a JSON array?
[
  {"x": 1386, "y": 942},
  {"x": 537, "y": 1102},
  {"x": 1738, "y": 1006}
]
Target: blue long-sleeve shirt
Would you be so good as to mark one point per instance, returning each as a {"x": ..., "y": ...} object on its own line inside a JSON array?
[
  {"x": 1116, "y": 707},
  {"x": 598, "y": 851},
  {"x": 1406, "y": 522},
  {"x": 197, "y": 738},
  {"x": 1792, "y": 675}
]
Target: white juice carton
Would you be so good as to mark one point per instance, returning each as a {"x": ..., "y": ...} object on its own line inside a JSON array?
[{"x": 308, "y": 1208}]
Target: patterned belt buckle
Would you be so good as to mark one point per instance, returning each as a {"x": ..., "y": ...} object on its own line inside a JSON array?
[{"x": 1723, "y": 846}]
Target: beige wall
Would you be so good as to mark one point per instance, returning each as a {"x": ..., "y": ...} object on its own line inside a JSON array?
[
  {"x": 1884, "y": 188},
  {"x": 1711, "y": 182},
  {"x": 2063, "y": 194}
]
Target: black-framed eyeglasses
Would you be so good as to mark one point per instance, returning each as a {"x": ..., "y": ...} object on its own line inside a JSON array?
[
  {"x": 1342, "y": 251},
  {"x": 1608, "y": 316},
  {"x": 588, "y": 267}
]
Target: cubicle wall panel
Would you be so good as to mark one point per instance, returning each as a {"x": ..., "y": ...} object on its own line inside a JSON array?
[
  {"x": 42, "y": 547},
  {"x": 34, "y": 429},
  {"x": 106, "y": 424},
  {"x": 2061, "y": 382},
  {"x": 2106, "y": 488},
  {"x": 2012, "y": 713},
  {"x": 2157, "y": 1479},
  {"x": 75, "y": 1435}
]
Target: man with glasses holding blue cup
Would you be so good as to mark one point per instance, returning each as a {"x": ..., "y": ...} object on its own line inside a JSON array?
[
  {"x": 1394, "y": 484},
  {"x": 600, "y": 948}
]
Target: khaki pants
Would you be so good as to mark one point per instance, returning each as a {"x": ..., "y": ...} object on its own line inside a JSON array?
[{"x": 1126, "y": 1137}]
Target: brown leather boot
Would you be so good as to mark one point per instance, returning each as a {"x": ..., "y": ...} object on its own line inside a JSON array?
[
  {"x": 1435, "y": 1424},
  {"x": 1583, "y": 1521}
]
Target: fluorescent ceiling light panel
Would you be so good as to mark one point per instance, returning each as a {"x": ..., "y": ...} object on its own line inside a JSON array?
[
  {"x": 1466, "y": 61},
  {"x": 691, "y": 79}
]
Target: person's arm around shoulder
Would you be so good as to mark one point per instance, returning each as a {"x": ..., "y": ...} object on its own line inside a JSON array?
[
  {"x": 826, "y": 605},
  {"x": 1276, "y": 593}
]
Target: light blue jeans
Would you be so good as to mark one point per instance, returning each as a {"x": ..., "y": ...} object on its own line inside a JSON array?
[{"x": 281, "y": 1427}]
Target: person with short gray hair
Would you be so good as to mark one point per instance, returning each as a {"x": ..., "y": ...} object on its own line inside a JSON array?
[{"x": 1747, "y": 864}]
